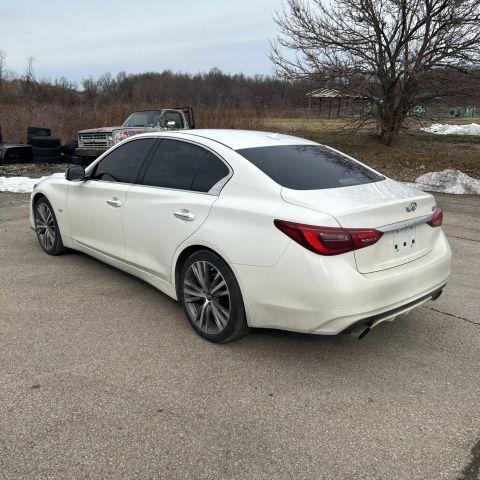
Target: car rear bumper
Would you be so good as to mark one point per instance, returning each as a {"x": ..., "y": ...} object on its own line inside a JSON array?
[
  {"x": 374, "y": 320},
  {"x": 310, "y": 293}
]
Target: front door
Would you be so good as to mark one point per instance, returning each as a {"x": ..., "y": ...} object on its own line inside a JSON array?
[
  {"x": 94, "y": 212},
  {"x": 95, "y": 207}
]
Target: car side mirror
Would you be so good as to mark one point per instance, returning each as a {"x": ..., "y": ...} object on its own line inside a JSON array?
[
  {"x": 76, "y": 174},
  {"x": 171, "y": 124}
]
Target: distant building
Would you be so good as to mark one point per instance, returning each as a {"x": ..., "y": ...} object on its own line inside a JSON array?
[{"x": 327, "y": 102}]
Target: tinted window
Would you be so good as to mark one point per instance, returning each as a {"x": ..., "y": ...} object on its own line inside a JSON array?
[
  {"x": 123, "y": 164},
  {"x": 211, "y": 172},
  {"x": 184, "y": 166},
  {"x": 308, "y": 167}
]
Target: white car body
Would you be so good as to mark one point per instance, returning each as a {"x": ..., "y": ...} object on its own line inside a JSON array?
[{"x": 283, "y": 284}]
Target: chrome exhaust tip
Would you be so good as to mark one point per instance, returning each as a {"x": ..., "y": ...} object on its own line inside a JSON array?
[
  {"x": 360, "y": 332},
  {"x": 436, "y": 295}
]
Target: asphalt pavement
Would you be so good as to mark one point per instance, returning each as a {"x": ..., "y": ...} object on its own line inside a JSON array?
[{"x": 101, "y": 377}]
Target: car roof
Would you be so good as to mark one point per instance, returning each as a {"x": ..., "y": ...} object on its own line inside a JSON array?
[
  {"x": 157, "y": 110},
  {"x": 238, "y": 139},
  {"x": 148, "y": 110}
]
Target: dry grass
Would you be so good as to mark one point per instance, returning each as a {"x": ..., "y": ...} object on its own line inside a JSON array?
[
  {"x": 65, "y": 122},
  {"x": 414, "y": 152}
]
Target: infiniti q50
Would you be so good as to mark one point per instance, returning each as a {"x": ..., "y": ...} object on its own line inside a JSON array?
[{"x": 251, "y": 229}]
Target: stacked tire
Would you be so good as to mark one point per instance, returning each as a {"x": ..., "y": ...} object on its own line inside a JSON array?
[
  {"x": 68, "y": 151},
  {"x": 45, "y": 148}
]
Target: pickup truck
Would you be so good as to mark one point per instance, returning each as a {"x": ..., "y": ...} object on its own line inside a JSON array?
[{"x": 95, "y": 141}]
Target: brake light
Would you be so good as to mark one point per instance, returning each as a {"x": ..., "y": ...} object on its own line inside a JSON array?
[
  {"x": 437, "y": 218},
  {"x": 328, "y": 240}
]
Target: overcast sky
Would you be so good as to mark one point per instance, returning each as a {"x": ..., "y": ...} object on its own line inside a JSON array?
[{"x": 80, "y": 38}]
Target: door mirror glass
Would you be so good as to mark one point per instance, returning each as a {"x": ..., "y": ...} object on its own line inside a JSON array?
[{"x": 76, "y": 174}]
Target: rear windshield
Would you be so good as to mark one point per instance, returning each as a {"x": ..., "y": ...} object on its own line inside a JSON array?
[{"x": 308, "y": 167}]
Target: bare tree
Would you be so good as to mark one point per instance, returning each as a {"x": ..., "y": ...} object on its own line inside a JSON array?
[
  {"x": 30, "y": 73},
  {"x": 388, "y": 49},
  {"x": 3, "y": 57}
]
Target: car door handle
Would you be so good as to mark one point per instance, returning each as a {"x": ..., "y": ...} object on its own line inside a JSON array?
[
  {"x": 114, "y": 202},
  {"x": 185, "y": 215}
]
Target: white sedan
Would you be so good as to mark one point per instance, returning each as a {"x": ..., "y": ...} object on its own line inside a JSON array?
[{"x": 251, "y": 229}]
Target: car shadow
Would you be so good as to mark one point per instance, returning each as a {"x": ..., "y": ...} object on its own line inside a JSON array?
[{"x": 385, "y": 343}]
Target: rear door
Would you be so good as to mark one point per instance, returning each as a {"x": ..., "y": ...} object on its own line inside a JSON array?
[
  {"x": 95, "y": 207},
  {"x": 170, "y": 202}
]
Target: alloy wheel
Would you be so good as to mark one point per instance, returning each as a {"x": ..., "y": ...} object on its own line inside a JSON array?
[
  {"x": 45, "y": 226},
  {"x": 207, "y": 297}
]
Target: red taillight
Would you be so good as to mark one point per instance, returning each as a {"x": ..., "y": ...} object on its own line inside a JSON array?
[
  {"x": 329, "y": 240},
  {"x": 437, "y": 218}
]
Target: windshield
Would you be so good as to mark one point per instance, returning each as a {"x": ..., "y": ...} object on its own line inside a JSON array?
[
  {"x": 309, "y": 167},
  {"x": 143, "y": 119}
]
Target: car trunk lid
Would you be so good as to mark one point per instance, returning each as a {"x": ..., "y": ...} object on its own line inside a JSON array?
[{"x": 396, "y": 209}]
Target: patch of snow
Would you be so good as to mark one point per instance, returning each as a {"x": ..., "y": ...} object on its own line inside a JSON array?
[
  {"x": 448, "y": 181},
  {"x": 18, "y": 184},
  {"x": 445, "y": 129}
]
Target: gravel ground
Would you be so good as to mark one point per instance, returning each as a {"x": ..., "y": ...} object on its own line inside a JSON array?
[{"x": 103, "y": 378}]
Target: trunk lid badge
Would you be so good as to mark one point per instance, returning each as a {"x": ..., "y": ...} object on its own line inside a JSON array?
[{"x": 411, "y": 207}]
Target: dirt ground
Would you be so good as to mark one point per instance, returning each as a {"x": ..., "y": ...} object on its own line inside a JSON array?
[{"x": 32, "y": 169}]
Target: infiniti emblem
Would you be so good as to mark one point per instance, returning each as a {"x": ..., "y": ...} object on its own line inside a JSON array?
[{"x": 412, "y": 207}]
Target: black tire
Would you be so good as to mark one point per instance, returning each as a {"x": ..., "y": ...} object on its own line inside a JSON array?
[
  {"x": 38, "y": 132},
  {"x": 70, "y": 147},
  {"x": 54, "y": 159},
  {"x": 44, "y": 142},
  {"x": 46, "y": 151},
  {"x": 236, "y": 324},
  {"x": 15, "y": 154},
  {"x": 49, "y": 226}
]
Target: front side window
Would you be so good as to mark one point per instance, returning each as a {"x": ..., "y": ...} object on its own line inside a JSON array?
[
  {"x": 123, "y": 163},
  {"x": 184, "y": 166},
  {"x": 309, "y": 167}
]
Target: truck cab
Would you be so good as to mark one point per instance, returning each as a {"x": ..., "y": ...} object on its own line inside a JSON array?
[{"x": 93, "y": 142}]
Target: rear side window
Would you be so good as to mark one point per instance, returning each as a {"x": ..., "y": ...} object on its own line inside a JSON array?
[
  {"x": 308, "y": 167},
  {"x": 184, "y": 166},
  {"x": 211, "y": 172},
  {"x": 124, "y": 163}
]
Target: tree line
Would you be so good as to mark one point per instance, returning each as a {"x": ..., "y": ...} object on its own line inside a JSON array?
[{"x": 210, "y": 89}]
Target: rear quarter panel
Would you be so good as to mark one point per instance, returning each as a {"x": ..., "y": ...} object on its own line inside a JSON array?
[{"x": 240, "y": 226}]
